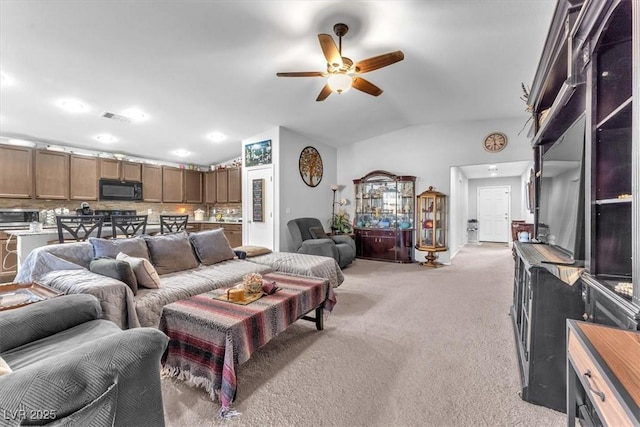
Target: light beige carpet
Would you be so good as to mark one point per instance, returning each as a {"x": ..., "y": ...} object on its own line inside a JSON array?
[{"x": 405, "y": 346}]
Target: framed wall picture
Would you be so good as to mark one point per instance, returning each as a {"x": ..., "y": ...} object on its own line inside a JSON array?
[
  {"x": 310, "y": 166},
  {"x": 258, "y": 153},
  {"x": 257, "y": 187}
]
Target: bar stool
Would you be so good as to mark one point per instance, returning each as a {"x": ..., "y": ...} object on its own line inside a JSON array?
[
  {"x": 79, "y": 227},
  {"x": 173, "y": 223},
  {"x": 128, "y": 225}
]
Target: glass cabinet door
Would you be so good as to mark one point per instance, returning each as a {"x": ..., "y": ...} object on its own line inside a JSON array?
[{"x": 431, "y": 224}]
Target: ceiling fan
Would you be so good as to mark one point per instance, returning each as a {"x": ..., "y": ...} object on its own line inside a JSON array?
[{"x": 342, "y": 72}]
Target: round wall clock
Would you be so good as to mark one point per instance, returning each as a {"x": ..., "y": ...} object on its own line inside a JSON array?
[
  {"x": 310, "y": 166},
  {"x": 494, "y": 142}
]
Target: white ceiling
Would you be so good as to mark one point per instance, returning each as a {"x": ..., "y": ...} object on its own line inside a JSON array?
[{"x": 200, "y": 66}]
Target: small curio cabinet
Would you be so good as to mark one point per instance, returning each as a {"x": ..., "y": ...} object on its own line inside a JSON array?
[
  {"x": 431, "y": 225},
  {"x": 383, "y": 222}
]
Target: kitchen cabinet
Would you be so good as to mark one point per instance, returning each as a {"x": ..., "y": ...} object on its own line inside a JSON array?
[
  {"x": 210, "y": 187},
  {"x": 83, "y": 184},
  {"x": 120, "y": 170},
  {"x": 234, "y": 176},
  {"x": 193, "y": 186},
  {"x": 52, "y": 177},
  {"x": 233, "y": 232},
  {"x": 384, "y": 216},
  {"x": 8, "y": 258},
  {"x": 172, "y": 184},
  {"x": 152, "y": 183},
  {"x": 228, "y": 185},
  {"x": 16, "y": 172},
  {"x": 222, "y": 186}
]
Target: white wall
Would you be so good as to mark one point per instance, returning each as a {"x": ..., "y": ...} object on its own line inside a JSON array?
[
  {"x": 428, "y": 152},
  {"x": 297, "y": 199}
]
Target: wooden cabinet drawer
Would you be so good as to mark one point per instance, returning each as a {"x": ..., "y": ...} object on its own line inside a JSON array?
[{"x": 596, "y": 383}]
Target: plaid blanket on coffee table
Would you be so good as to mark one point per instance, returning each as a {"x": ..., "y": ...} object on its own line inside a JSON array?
[{"x": 210, "y": 337}]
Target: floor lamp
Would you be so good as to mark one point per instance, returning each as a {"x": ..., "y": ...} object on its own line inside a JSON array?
[{"x": 334, "y": 188}]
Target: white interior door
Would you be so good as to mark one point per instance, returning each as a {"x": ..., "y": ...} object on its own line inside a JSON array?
[
  {"x": 258, "y": 208},
  {"x": 493, "y": 213}
]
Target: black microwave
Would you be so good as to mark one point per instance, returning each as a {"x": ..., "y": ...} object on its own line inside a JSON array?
[{"x": 120, "y": 190}]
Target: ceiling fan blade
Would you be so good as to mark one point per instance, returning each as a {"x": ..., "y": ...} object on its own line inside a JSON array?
[
  {"x": 379, "y": 61},
  {"x": 366, "y": 86},
  {"x": 302, "y": 74},
  {"x": 326, "y": 91},
  {"x": 330, "y": 50}
]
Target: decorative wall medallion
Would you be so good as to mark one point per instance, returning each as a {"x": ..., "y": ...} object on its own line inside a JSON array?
[{"x": 310, "y": 166}]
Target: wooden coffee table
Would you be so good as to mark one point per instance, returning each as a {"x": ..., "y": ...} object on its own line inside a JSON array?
[
  {"x": 209, "y": 337},
  {"x": 15, "y": 295}
]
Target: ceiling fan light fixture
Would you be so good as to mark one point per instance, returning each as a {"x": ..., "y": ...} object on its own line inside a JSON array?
[{"x": 340, "y": 82}]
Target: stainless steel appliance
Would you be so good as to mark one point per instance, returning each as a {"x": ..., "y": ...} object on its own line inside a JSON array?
[
  {"x": 120, "y": 190},
  {"x": 18, "y": 217}
]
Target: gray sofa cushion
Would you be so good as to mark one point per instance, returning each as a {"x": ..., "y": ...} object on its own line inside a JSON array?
[
  {"x": 116, "y": 269},
  {"x": 171, "y": 252},
  {"x": 211, "y": 246},
  {"x": 135, "y": 246}
]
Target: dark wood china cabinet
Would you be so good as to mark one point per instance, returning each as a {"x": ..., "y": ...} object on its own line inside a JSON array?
[{"x": 384, "y": 215}]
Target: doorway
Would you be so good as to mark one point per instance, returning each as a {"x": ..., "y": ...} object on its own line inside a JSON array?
[
  {"x": 258, "y": 208},
  {"x": 494, "y": 213}
]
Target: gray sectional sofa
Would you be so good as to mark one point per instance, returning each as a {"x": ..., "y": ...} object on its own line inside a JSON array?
[{"x": 186, "y": 265}]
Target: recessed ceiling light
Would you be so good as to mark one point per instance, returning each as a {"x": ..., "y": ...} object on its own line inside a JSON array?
[
  {"x": 217, "y": 136},
  {"x": 106, "y": 138},
  {"x": 72, "y": 105},
  {"x": 5, "y": 79},
  {"x": 135, "y": 115},
  {"x": 493, "y": 167},
  {"x": 180, "y": 153}
]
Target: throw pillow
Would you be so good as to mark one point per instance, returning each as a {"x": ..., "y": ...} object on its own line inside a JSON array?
[
  {"x": 146, "y": 274},
  {"x": 251, "y": 250},
  {"x": 171, "y": 252},
  {"x": 4, "y": 367},
  {"x": 116, "y": 269},
  {"x": 135, "y": 246},
  {"x": 318, "y": 233},
  {"x": 211, "y": 246}
]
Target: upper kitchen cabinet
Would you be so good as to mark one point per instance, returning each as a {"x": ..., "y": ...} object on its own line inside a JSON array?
[
  {"x": 210, "y": 187},
  {"x": 193, "y": 186},
  {"x": 16, "y": 172},
  {"x": 120, "y": 170},
  {"x": 52, "y": 179},
  {"x": 234, "y": 184},
  {"x": 151, "y": 183},
  {"x": 229, "y": 185},
  {"x": 172, "y": 184},
  {"x": 83, "y": 173}
]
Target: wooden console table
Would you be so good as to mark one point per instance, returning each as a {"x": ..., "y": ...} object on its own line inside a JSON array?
[{"x": 603, "y": 375}]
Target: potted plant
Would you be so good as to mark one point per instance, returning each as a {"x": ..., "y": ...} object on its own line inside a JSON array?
[{"x": 341, "y": 222}]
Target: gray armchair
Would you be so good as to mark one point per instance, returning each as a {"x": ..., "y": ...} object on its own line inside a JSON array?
[
  {"x": 309, "y": 237},
  {"x": 69, "y": 367}
]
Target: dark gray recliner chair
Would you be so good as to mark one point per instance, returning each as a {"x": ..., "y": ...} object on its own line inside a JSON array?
[{"x": 309, "y": 237}]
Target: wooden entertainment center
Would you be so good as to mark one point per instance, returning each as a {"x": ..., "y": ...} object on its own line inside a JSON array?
[{"x": 586, "y": 145}]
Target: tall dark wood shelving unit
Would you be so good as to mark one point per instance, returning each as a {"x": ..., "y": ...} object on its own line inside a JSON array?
[{"x": 588, "y": 71}]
